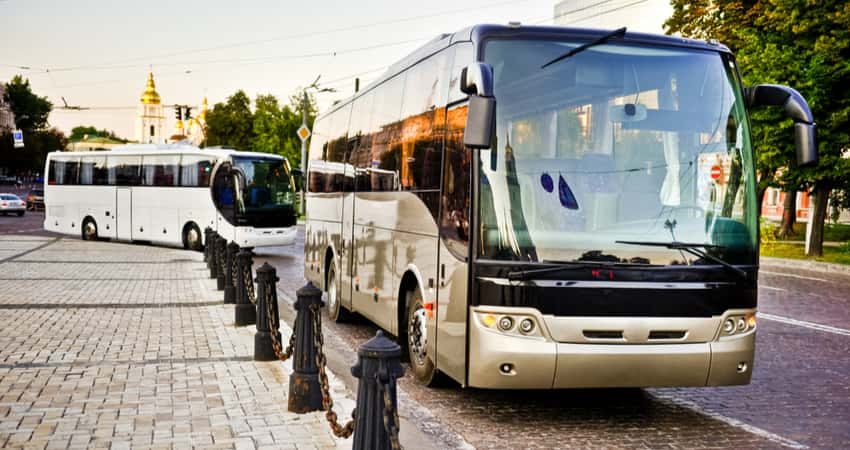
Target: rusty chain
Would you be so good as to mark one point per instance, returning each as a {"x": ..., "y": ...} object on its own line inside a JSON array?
[
  {"x": 248, "y": 280},
  {"x": 342, "y": 431},
  {"x": 278, "y": 351},
  {"x": 234, "y": 271},
  {"x": 222, "y": 266},
  {"x": 391, "y": 424}
]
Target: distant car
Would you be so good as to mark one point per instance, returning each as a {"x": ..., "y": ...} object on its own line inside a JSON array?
[
  {"x": 35, "y": 199},
  {"x": 11, "y": 203}
]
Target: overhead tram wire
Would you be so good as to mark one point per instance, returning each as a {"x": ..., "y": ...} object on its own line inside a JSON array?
[
  {"x": 288, "y": 37},
  {"x": 601, "y": 13}
]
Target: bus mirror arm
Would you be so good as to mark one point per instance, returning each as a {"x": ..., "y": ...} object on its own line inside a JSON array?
[
  {"x": 796, "y": 108},
  {"x": 476, "y": 80}
]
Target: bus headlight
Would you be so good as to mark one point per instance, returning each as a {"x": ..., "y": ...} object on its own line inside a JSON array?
[
  {"x": 506, "y": 323},
  {"x": 526, "y": 326},
  {"x": 728, "y": 326},
  {"x": 739, "y": 324}
]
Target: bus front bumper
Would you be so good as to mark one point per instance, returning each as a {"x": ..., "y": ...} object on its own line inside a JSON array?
[
  {"x": 504, "y": 360},
  {"x": 265, "y": 237}
]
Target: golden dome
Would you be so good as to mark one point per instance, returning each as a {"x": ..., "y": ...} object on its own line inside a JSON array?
[
  {"x": 202, "y": 117},
  {"x": 150, "y": 96}
]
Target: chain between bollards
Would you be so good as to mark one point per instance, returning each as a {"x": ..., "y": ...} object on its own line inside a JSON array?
[
  {"x": 212, "y": 262},
  {"x": 343, "y": 431},
  {"x": 230, "y": 267},
  {"x": 221, "y": 262}
]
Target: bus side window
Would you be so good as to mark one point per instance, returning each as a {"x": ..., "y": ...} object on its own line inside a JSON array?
[
  {"x": 386, "y": 140},
  {"x": 463, "y": 57},
  {"x": 63, "y": 171},
  {"x": 195, "y": 171},
  {"x": 93, "y": 170},
  {"x": 124, "y": 170},
  {"x": 318, "y": 143},
  {"x": 160, "y": 170}
]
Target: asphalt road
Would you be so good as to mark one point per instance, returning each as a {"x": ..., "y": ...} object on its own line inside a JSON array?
[{"x": 799, "y": 396}]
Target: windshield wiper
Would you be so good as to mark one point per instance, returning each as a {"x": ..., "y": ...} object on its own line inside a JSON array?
[
  {"x": 616, "y": 33},
  {"x": 693, "y": 249}
]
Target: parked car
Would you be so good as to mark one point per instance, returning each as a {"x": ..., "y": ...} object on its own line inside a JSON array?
[
  {"x": 35, "y": 199},
  {"x": 11, "y": 203}
]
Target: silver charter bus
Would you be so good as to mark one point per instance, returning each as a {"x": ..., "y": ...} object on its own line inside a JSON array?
[{"x": 545, "y": 207}]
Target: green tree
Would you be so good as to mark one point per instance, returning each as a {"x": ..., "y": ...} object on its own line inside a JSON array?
[
  {"x": 801, "y": 44},
  {"x": 80, "y": 132},
  {"x": 231, "y": 123},
  {"x": 30, "y": 110}
]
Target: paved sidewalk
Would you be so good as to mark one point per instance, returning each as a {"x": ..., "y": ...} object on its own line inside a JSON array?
[{"x": 106, "y": 345}]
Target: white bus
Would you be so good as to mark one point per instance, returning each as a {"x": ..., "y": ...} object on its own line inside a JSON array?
[
  {"x": 167, "y": 194},
  {"x": 546, "y": 207}
]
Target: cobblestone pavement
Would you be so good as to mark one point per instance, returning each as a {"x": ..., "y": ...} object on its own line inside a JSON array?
[
  {"x": 107, "y": 345},
  {"x": 799, "y": 396}
]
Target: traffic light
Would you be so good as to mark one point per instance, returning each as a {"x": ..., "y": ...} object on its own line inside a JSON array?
[
  {"x": 177, "y": 114},
  {"x": 188, "y": 114}
]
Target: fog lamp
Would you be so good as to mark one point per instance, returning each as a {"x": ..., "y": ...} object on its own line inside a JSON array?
[
  {"x": 526, "y": 326},
  {"x": 506, "y": 323}
]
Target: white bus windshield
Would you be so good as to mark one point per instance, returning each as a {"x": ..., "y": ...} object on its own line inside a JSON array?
[{"x": 616, "y": 143}]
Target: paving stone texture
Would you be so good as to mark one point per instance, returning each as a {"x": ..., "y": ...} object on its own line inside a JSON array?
[{"x": 108, "y": 345}]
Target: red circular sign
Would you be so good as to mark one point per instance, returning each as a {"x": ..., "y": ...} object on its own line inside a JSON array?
[{"x": 716, "y": 172}]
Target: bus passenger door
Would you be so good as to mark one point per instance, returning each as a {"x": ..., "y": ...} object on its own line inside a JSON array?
[
  {"x": 346, "y": 248},
  {"x": 124, "y": 212}
]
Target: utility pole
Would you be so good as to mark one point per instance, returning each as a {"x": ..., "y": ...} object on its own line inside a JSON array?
[{"x": 304, "y": 105}]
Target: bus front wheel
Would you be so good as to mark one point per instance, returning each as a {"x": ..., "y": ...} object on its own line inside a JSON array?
[
  {"x": 336, "y": 312},
  {"x": 89, "y": 230},
  {"x": 192, "y": 237},
  {"x": 417, "y": 340}
]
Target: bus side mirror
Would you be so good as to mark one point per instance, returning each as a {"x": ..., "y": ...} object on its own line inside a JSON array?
[
  {"x": 796, "y": 108},
  {"x": 476, "y": 80}
]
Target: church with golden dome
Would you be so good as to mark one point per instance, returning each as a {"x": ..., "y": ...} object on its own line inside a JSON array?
[{"x": 150, "y": 120}]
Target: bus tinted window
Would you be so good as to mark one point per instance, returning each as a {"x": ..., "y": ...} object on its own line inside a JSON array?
[
  {"x": 63, "y": 171},
  {"x": 463, "y": 58},
  {"x": 423, "y": 126},
  {"x": 195, "y": 171},
  {"x": 160, "y": 170},
  {"x": 318, "y": 145},
  {"x": 360, "y": 139},
  {"x": 93, "y": 170},
  {"x": 386, "y": 126},
  {"x": 337, "y": 147},
  {"x": 124, "y": 170}
]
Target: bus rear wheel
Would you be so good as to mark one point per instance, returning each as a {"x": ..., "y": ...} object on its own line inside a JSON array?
[
  {"x": 421, "y": 362},
  {"x": 89, "y": 230},
  {"x": 336, "y": 311},
  {"x": 192, "y": 237}
]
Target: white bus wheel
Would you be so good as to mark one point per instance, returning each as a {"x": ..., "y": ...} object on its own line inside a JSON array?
[
  {"x": 192, "y": 239},
  {"x": 89, "y": 230}
]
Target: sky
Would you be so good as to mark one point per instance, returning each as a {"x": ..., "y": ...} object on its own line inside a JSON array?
[{"x": 97, "y": 53}]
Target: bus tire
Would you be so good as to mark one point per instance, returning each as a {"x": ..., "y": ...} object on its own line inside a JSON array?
[
  {"x": 421, "y": 363},
  {"x": 336, "y": 311},
  {"x": 192, "y": 239},
  {"x": 89, "y": 229}
]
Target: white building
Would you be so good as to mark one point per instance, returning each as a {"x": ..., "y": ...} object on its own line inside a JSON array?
[
  {"x": 150, "y": 121},
  {"x": 646, "y": 16}
]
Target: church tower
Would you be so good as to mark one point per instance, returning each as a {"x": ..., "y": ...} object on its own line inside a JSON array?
[{"x": 150, "y": 120}]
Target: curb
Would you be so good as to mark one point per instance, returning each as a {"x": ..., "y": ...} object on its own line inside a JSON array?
[{"x": 804, "y": 264}]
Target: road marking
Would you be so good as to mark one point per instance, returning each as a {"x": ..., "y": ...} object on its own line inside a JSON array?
[
  {"x": 772, "y": 288},
  {"x": 804, "y": 324},
  {"x": 791, "y": 275},
  {"x": 735, "y": 423}
]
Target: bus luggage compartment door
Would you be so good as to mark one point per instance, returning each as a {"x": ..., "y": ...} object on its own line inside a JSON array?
[{"x": 124, "y": 213}]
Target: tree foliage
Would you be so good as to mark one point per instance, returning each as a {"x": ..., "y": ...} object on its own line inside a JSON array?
[
  {"x": 805, "y": 45},
  {"x": 270, "y": 128},
  {"x": 80, "y": 132},
  {"x": 30, "y": 110}
]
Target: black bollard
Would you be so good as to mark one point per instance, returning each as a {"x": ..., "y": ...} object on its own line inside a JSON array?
[
  {"x": 378, "y": 367},
  {"x": 266, "y": 290},
  {"x": 230, "y": 264},
  {"x": 305, "y": 390},
  {"x": 213, "y": 262},
  {"x": 246, "y": 313},
  {"x": 207, "y": 233},
  {"x": 221, "y": 266}
]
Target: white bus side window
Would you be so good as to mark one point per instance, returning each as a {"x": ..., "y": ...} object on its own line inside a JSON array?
[
  {"x": 195, "y": 171},
  {"x": 63, "y": 171},
  {"x": 160, "y": 170},
  {"x": 93, "y": 170},
  {"x": 124, "y": 170}
]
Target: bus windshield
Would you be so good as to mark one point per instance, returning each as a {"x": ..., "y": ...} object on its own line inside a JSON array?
[
  {"x": 618, "y": 142},
  {"x": 267, "y": 195}
]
